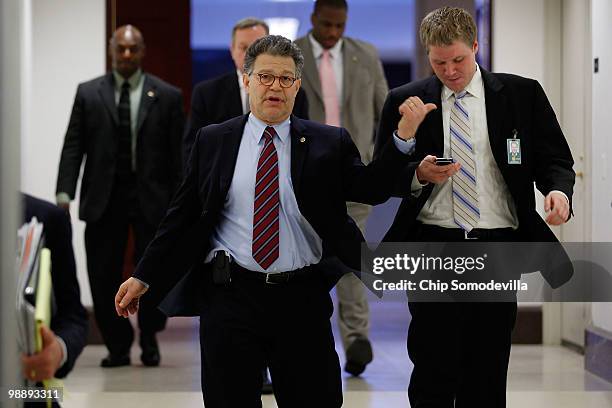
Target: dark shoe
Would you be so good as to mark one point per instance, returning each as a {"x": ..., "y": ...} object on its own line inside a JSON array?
[
  {"x": 150, "y": 350},
  {"x": 266, "y": 387},
  {"x": 115, "y": 361},
  {"x": 358, "y": 356}
]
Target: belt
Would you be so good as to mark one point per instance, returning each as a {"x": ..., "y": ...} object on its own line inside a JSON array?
[
  {"x": 458, "y": 234},
  {"x": 274, "y": 278}
]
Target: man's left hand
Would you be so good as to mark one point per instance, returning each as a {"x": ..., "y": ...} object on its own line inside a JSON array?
[
  {"x": 43, "y": 365},
  {"x": 557, "y": 208}
]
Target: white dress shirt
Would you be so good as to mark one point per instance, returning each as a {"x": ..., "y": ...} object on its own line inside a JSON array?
[
  {"x": 299, "y": 244},
  {"x": 497, "y": 208},
  {"x": 244, "y": 95}
]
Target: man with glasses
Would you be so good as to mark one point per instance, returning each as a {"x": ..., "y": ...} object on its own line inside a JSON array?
[
  {"x": 260, "y": 212},
  {"x": 219, "y": 99},
  {"x": 225, "y": 97}
]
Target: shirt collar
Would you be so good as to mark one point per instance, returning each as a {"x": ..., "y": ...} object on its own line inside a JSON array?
[
  {"x": 317, "y": 49},
  {"x": 134, "y": 80},
  {"x": 240, "y": 83},
  {"x": 258, "y": 126},
  {"x": 474, "y": 88}
]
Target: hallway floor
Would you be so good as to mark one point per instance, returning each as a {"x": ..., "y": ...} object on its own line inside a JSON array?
[{"x": 539, "y": 376}]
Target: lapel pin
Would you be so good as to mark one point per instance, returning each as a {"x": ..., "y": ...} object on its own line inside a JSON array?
[
  {"x": 302, "y": 139},
  {"x": 354, "y": 58},
  {"x": 150, "y": 94}
]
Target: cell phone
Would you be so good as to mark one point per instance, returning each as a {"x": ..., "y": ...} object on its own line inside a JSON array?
[
  {"x": 221, "y": 269},
  {"x": 443, "y": 161}
]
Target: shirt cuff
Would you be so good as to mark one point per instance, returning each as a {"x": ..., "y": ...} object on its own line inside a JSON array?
[
  {"x": 64, "y": 351},
  {"x": 416, "y": 187},
  {"x": 404, "y": 146},
  {"x": 562, "y": 193},
  {"x": 62, "y": 198},
  {"x": 146, "y": 285}
]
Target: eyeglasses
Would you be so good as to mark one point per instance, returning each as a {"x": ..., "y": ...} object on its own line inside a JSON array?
[{"x": 284, "y": 80}]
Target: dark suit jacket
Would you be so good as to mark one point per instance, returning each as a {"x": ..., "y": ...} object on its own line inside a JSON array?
[
  {"x": 326, "y": 171},
  {"x": 217, "y": 100},
  {"x": 69, "y": 320},
  {"x": 512, "y": 103},
  {"x": 92, "y": 134}
]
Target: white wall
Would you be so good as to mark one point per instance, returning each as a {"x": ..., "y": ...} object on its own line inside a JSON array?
[
  {"x": 67, "y": 46},
  {"x": 527, "y": 42},
  {"x": 601, "y": 15},
  {"x": 12, "y": 18}
]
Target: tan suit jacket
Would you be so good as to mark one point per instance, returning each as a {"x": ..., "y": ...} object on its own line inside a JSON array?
[{"x": 364, "y": 89}]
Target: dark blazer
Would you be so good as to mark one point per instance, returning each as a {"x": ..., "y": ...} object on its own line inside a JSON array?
[
  {"x": 512, "y": 103},
  {"x": 217, "y": 100},
  {"x": 92, "y": 134},
  {"x": 69, "y": 320},
  {"x": 326, "y": 171}
]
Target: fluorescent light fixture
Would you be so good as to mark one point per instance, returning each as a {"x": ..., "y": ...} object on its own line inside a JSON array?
[{"x": 285, "y": 26}]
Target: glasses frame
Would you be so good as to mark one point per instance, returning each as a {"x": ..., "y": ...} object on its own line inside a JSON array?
[{"x": 275, "y": 77}]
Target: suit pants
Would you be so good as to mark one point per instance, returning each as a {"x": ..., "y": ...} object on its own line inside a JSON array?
[
  {"x": 353, "y": 308},
  {"x": 105, "y": 244},
  {"x": 460, "y": 350},
  {"x": 248, "y": 323}
]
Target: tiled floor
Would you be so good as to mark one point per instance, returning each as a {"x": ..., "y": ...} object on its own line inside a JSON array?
[{"x": 539, "y": 376}]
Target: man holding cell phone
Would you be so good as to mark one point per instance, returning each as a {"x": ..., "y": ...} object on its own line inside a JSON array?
[{"x": 502, "y": 135}]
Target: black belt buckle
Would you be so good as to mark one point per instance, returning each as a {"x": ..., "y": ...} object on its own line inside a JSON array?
[
  {"x": 276, "y": 278},
  {"x": 468, "y": 233}
]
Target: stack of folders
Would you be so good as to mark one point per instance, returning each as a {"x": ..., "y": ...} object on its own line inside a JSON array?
[{"x": 35, "y": 289}]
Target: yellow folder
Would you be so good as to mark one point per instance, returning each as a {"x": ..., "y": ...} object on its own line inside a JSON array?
[{"x": 42, "y": 313}]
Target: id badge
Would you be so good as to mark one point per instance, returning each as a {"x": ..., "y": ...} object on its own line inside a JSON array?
[{"x": 513, "y": 148}]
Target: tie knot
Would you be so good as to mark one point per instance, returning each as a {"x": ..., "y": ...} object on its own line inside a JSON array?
[
  {"x": 460, "y": 95},
  {"x": 269, "y": 133},
  {"x": 125, "y": 86}
]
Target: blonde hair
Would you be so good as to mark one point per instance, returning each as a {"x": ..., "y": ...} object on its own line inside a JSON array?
[{"x": 445, "y": 25}]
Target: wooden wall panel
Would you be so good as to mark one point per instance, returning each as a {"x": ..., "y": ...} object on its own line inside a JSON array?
[{"x": 165, "y": 26}]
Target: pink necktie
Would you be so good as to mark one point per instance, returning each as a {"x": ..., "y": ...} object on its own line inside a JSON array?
[{"x": 329, "y": 89}]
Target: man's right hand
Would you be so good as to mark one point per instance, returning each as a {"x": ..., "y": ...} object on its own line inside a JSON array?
[
  {"x": 429, "y": 172},
  {"x": 126, "y": 299},
  {"x": 413, "y": 112}
]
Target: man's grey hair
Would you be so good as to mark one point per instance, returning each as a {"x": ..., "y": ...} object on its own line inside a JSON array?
[
  {"x": 275, "y": 45},
  {"x": 248, "y": 23},
  {"x": 446, "y": 25}
]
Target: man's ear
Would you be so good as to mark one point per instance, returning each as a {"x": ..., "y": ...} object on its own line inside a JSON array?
[{"x": 246, "y": 80}]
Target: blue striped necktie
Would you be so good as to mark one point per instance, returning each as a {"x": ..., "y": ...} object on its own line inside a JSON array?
[{"x": 465, "y": 194}]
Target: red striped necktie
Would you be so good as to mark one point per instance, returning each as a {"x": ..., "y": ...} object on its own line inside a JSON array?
[{"x": 267, "y": 204}]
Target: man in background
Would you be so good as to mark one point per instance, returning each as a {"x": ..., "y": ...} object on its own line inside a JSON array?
[
  {"x": 127, "y": 126},
  {"x": 225, "y": 97},
  {"x": 346, "y": 86}
]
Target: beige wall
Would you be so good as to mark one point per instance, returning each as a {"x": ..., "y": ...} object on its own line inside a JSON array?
[{"x": 66, "y": 46}]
